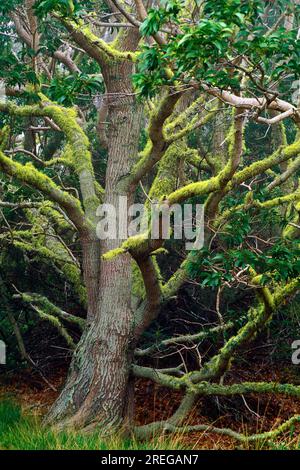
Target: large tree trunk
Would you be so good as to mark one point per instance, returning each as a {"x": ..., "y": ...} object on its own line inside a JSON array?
[{"x": 96, "y": 390}]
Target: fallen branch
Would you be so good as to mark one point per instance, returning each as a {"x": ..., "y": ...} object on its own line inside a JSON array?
[{"x": 164, "y": 426}]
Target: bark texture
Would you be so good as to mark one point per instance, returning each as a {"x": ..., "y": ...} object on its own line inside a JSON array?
[{"x": 96, "y": 390}]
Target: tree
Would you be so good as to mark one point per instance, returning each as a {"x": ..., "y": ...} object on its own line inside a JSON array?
[{"x": 185, "y": 70}]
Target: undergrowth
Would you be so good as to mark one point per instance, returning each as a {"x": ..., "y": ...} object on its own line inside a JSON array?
[{"x": 21, "y": 431}]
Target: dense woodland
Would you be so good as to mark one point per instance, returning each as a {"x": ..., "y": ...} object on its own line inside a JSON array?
[{"x": 161, "y": 102}]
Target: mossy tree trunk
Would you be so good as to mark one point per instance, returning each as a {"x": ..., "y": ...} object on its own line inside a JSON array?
[{"x": 96, "y": 390}]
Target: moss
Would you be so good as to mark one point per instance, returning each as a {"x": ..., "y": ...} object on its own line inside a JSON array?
[
  {"x": 167, "y": 174},
  {"x": 58, "y": 161},
  {"x": 22, "y": 111},
  {"x": 194, "y": 122},
  {"x": 171, "y": 287},
  {"x": 138, "y": 286},
  {"x": 206, "y": 388},
  {"x": 29, "y": 174},
  {"x": 282, "y": 131},
  {"x": 91, "y": 204},
  {"x": 65, "y": 157},
  {"x": 186, "y": 130},
  {"x": 280, "y": 155},
  {"x": 250, "y": 202},
  {"x": 50, "y": 308},
  {"x": 41, "y": 251},
  {"x": 73, "y": 275},
  {"x": 160, "y": 251},
  {"x": 76, "y": 153},
  {"x": 292, "y": 149},
  {"x": 135, "y": 242},
  {"x": 258, "y": 316},
  {"x": 57, "y": 324},
  {"x": 60, "y": 221},
  {"x": 194, "y": 189},
  {"x": 230, "y": 138},
  {"x": 284, "y": 292},
  {"x": 109, "y": 255},
  {"x": 99, "y": 190},
  {"x": 289, "y": 232},
  {"x": 108, "y": 53},
  {"x": 45, "y": 310},
  {"x": 77, "y": 150},
  {"x": 41, "y": 240},
  {"x": 184, "y": 117},
  {"x": 268, "y": 297},
  {"x": 233, "y": 152},
  {"x": 196, "y": 160},
  {"x": 4, "y": 137},
  {"x": 81, "y": 159},
  {"x": 278, "y": 201},
  {"x": 292, "y": 231},
  {"x": 143, "y": 157},
  {"x": 71, "y": 272}
]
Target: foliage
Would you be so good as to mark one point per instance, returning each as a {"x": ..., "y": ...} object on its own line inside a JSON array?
[
  {"x": 209, "y": 50},
  {"x": 157, "y": 17},
  {"x": 66, "y": 7},
  {"x": 65, "y": 90}
]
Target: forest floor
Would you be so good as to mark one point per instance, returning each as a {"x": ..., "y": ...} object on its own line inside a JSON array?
[{"x": 247, "y": 414}]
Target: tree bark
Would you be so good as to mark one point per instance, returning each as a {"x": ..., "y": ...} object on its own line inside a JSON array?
[{"x": 97, "y": 387}]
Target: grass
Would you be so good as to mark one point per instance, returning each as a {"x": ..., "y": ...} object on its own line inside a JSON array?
[{"x": 19, "y": 431}]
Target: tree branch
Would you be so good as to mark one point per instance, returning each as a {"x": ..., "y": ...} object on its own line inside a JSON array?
[{"x": 182, "y": 339}]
